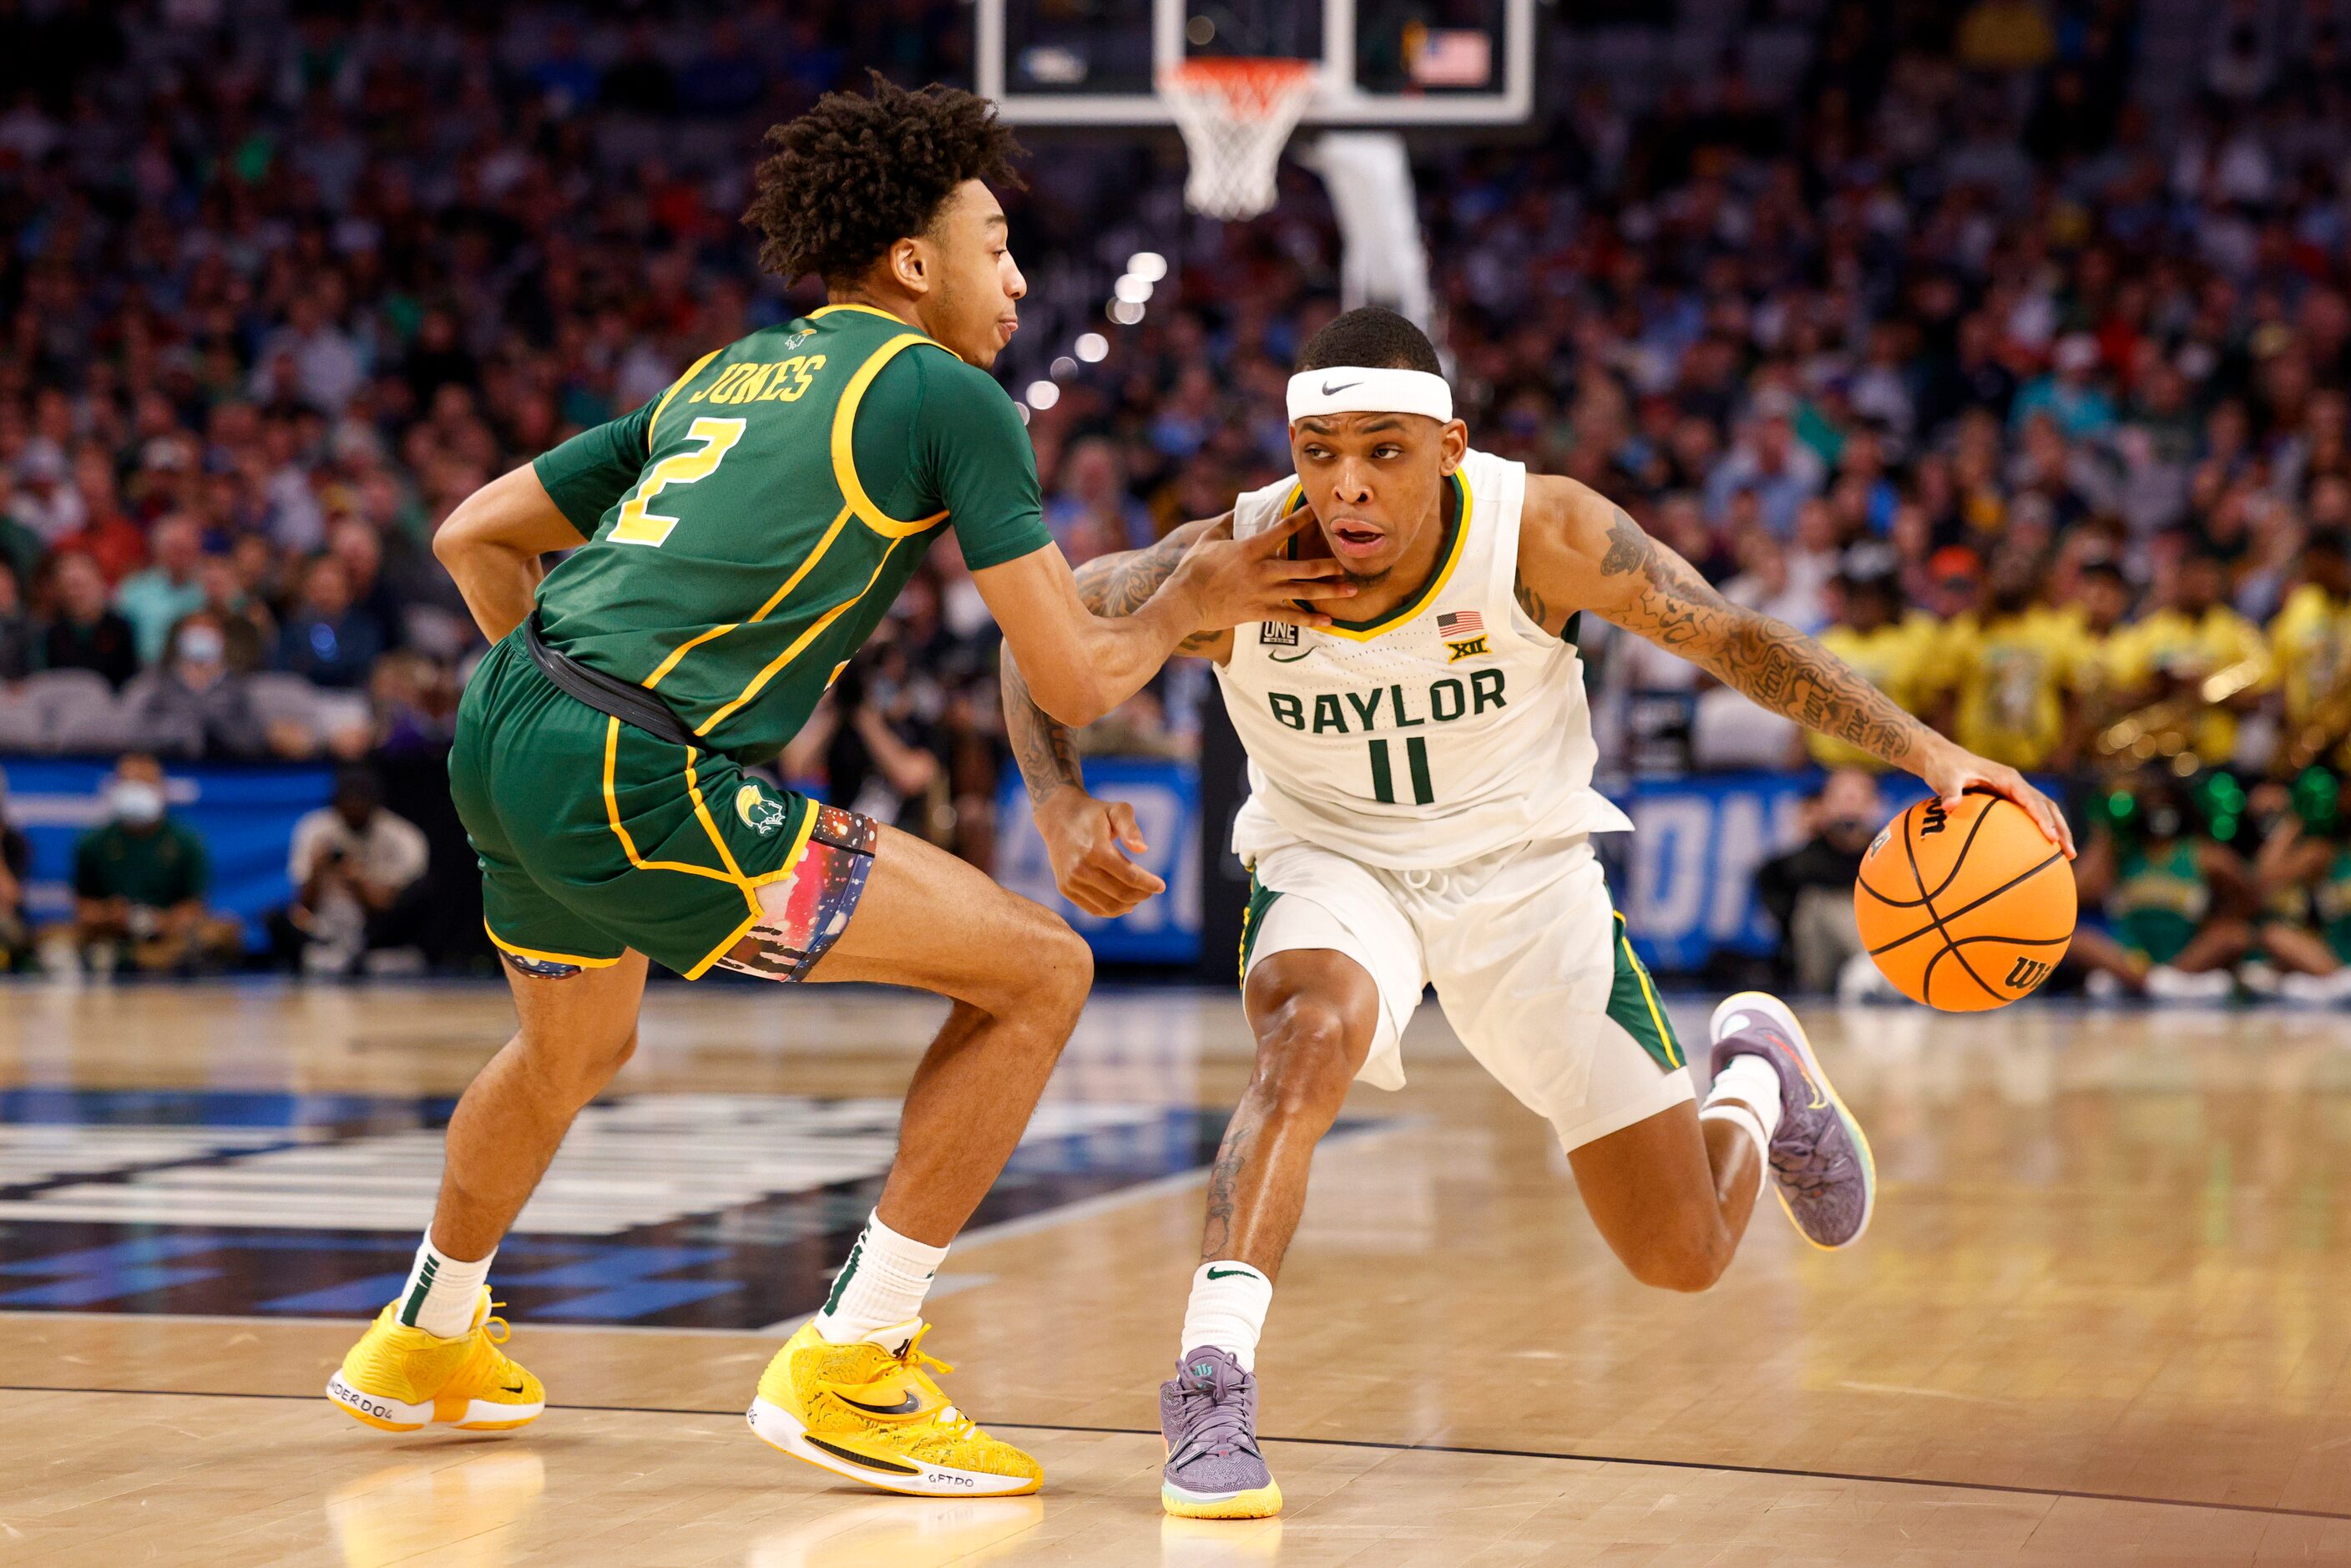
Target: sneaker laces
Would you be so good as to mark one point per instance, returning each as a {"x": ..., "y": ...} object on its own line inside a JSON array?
[
  {"x": 1216, "y": 1418},
  {"x": 914, "y": 1364}
]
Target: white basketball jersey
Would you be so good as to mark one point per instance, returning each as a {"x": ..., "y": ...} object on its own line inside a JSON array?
[{"x": 1448, "y": 728}]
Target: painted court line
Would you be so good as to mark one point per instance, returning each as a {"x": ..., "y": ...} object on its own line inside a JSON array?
[{"x": 1796, "y": 1472}]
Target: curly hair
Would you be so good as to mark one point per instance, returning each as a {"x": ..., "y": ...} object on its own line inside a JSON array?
[{"x": 855, "y": 175}]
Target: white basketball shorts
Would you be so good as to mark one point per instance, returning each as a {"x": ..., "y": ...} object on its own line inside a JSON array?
[{"x": 1529, "y": 957}]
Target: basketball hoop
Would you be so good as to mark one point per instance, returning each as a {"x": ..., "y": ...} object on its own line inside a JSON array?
[{"x": 1235, "y": 114}]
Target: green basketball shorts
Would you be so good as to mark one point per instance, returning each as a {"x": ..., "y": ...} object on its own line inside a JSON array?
[{"x": 594, "y": 836}]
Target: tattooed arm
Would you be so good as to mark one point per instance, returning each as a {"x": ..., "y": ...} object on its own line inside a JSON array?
[
  {"x": 1577, "y": 551},
  {"x": 1088, "y": 839}
]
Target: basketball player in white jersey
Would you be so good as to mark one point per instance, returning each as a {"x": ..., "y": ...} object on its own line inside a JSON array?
[{"x": 1421, "y": 809}]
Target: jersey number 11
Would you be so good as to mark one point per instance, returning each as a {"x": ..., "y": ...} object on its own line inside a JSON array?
[{"x": 1415, "y": 757}]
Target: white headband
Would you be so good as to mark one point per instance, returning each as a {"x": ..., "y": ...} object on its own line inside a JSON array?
[{"x": 1353, "y": 389}]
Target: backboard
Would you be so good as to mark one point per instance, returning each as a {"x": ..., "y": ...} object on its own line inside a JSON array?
[{"x": 1384, "y": 62}]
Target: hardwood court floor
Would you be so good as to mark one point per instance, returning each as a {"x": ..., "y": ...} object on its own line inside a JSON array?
[{"x": 2101, "y": 1316}]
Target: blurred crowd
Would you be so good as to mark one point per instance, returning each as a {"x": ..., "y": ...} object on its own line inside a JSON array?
[{"x": 2035, "y": 403}]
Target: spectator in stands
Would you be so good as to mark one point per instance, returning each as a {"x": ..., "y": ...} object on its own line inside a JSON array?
[
  {"x": 1808, "y": 891},
  {"x": 357, "y": 870},
  {"x": 2169, "y": 657},
  {"x": 193, "y": 706},
  {"x": 139, "y": 881},
  {"x": 1894, "y": 652},
  {"x": 2310, "y": 642},
  {"x": 1093, "y": 513},
  {"x": 324, "y": 637},
  {"x": 19, "y": 644},
  {"x": 15, "y": 865},
  {"x": 2012, "y": 671},
  {"x": 84, "y": 634},
  {"x": 154, "y": 600},
  {"x": 2168, "y": 907},
  {"x": 2304, "y": 870}
]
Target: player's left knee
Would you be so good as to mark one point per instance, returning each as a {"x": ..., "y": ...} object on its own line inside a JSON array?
[{"x": 1685, "y": 1264}]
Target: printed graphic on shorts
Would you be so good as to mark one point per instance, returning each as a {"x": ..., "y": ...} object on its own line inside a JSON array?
[{"x": 808, "y": 910}]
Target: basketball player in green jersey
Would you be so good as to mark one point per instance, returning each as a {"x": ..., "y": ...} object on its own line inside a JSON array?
[{"x": 733, "y": 541}]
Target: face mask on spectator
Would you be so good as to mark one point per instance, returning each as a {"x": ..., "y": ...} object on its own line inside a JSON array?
[
  {"x": 201, "y": 646},
  {"x": 131, "y": 800}
]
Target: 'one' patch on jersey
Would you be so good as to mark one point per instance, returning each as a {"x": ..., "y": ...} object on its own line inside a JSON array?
[{"x": 1277, "y": 634}]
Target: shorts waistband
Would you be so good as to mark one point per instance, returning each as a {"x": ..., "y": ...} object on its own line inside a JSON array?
[{"x": 630, "y": 704}]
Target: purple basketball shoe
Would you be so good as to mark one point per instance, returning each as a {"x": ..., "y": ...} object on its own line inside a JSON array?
[
  {"x": 1208, "y": 1413},
  {"x": 1820, "y": 1162}
]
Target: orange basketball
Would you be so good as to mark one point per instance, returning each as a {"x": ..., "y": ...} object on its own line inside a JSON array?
[{"x": 1965, "y": 909}]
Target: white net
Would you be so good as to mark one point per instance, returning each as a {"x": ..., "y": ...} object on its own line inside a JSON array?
[{"x": 1235, "y": 115}]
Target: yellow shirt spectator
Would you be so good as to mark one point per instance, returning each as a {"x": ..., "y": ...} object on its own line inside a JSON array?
[
  {"x": 2311, "y": 642},
  {"x": 2012, "y": 678},
  {"x": 1898, "y": 660},
  {"x": 2176, "y": 644}
]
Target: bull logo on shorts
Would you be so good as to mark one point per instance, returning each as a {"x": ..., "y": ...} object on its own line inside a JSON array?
[{"x": 756, "y": 811}]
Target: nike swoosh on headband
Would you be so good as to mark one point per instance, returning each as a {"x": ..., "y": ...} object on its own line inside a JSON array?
[{"x": 1330, "y": 390}]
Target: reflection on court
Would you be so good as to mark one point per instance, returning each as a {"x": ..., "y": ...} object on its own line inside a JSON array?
[{"x": 2099, "y": 1317}]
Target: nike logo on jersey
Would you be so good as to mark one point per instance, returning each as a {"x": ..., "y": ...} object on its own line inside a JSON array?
[
  {"x": 1331, "y": 391},
  {"x": 1291, "y": 658}
]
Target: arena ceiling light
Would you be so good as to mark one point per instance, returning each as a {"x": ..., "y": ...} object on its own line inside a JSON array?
[
  {"x": 1092, "y": 348},
  {"x": 1043, "y": 395},
  {"x": 1147, "y": 265},
  {"x": 1064, "y": 366},
  {"x": 1133, "y": 289},
  {"x": 1125, "y": 312}
]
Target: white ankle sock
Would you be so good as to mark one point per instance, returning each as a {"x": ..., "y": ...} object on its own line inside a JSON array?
[
  {"x": 1746, "y": 1093},
  {"x": 442, "y": 1292},
  {"x": 1226, "y": 1310},
  {"x": 883, "y": 1285}
]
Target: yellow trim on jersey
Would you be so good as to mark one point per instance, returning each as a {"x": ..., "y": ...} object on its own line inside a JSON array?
[
  {"x": 844, "y": 422},
  {"x": 792, "y": 864},
  {"x": 840, "y": 520},
  {"x": 674, "y": 387},
  {"x": 1363, "y": 631},
  {"x": 800, "y": 643},
  {"x": 580, "y": 959}
]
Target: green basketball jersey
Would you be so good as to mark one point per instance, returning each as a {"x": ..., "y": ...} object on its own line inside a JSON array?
[
  {"x": 748, "y": 528},
  {"x": 2159, "y": 901},
  {"x": 2330, "y": 900}
]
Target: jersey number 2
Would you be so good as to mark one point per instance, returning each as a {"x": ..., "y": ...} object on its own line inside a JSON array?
[
  {"x": 638, "y": 527},
  {"x": 1415, "y": 757}
]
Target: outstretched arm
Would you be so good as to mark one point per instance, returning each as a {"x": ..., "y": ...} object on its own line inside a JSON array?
[
  {"x": 1088, "y": 839},
  {"x": 1578, "y": 551},
  {"x": 1083, "y": 660}
]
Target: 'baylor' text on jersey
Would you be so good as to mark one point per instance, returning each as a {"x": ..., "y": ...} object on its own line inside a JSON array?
[
  {"x": 1448, "y": 728},
  {"x": 750, "y": 526}
]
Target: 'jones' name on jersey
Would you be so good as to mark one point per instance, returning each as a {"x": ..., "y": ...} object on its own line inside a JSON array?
[{"x": 1388, "y": 708}]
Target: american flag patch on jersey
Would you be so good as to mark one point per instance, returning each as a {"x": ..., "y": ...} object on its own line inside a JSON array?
[{"x": 1460, "y": 623}]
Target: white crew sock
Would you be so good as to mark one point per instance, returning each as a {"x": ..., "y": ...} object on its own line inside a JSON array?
[
  {"x": 1226, "y": 1310},
  {"x": 443, "y": 1293},
  {"x": 881, "y": 1286},
  {"x": 1746, "y": 1093}
]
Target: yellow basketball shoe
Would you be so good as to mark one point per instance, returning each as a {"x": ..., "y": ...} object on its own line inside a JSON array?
[
  {"x": 871, "y": 1411},
  {"x": 398, "y": 1378}
]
